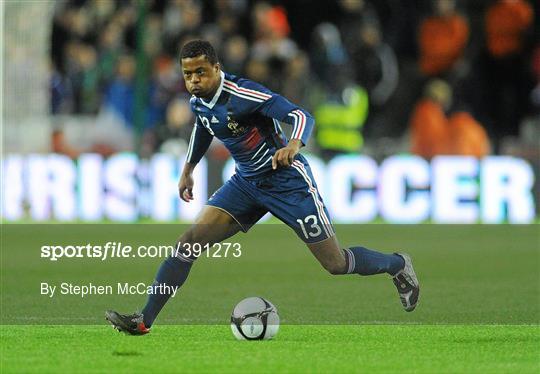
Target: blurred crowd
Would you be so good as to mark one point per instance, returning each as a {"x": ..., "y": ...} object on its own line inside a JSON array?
[{"x": 380, "y": 77}]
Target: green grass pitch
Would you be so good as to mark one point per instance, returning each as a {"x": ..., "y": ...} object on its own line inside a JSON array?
[
  {"x": 479, "y": 309},
  {"x": 369, "y": 348}
]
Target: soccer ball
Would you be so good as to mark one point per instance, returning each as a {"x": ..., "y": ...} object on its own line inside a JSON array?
[{"x": 254, "y": 318}]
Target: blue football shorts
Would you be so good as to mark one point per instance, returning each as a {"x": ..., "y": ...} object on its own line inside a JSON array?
[{"x": 290, "y": 194}]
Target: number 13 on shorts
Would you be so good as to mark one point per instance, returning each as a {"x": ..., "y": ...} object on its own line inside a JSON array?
[{"x": 310, "y": 226}]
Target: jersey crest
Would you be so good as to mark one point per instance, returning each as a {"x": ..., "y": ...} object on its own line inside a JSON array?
[{"x": 235, "y": 128}]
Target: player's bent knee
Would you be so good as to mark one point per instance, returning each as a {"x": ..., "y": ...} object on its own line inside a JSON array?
[
  {"x": 192, "y": 244},
  {"x": 187, "y": 237},
  {"x": 334, "y": 268},
  {"x": 194, "y": 235},
  {"x": 330, "y": 256}
]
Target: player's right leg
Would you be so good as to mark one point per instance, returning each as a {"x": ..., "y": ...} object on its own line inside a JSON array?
[{"x": 213, "y": 225}]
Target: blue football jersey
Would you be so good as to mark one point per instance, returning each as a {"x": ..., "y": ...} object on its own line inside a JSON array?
[{"x": 246, "y": 117}]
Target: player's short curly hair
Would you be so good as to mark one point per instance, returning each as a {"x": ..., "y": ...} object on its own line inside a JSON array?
[{"x": 197, "y": 48}]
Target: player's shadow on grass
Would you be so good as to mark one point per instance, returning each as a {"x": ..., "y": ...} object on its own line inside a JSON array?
[
  {"x": 126, "y": 353},
  {"x": 494, "y": 339}
]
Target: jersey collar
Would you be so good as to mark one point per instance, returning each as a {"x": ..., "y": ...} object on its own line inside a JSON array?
[{"x": 217, "y": 94}]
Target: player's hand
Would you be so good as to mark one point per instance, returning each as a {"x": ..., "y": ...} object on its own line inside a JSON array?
[
  {"x": 285, "y": 156},
  {"x": 185, "y": 187}
]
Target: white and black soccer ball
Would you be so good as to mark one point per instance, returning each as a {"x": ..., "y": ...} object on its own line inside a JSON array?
[{"x": 254, "y": 318}]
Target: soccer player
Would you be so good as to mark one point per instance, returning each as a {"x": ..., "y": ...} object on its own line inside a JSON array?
[{"x": 271, "y": 176}]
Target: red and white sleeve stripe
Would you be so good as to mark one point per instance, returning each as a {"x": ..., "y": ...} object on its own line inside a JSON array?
[
  {"x": 299, "y": 123},
  {"x": 245, "y": 93}
]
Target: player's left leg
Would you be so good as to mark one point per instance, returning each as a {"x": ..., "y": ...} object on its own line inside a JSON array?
[
  {"x": 292, "y": 196},
  {"x": 354, "y": 260},
  {"x": 363, "y": 261}
]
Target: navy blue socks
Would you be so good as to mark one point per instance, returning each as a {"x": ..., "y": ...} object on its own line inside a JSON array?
[
  {"x": 364, "y": 261},
  {"x": 173, "y": 273}
]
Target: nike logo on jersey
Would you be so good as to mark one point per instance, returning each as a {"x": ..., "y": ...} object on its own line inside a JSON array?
[{"x": 214, "y": 119}]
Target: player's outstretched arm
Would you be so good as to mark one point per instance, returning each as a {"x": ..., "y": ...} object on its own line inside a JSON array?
[{"x": 185, "y": 185}]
